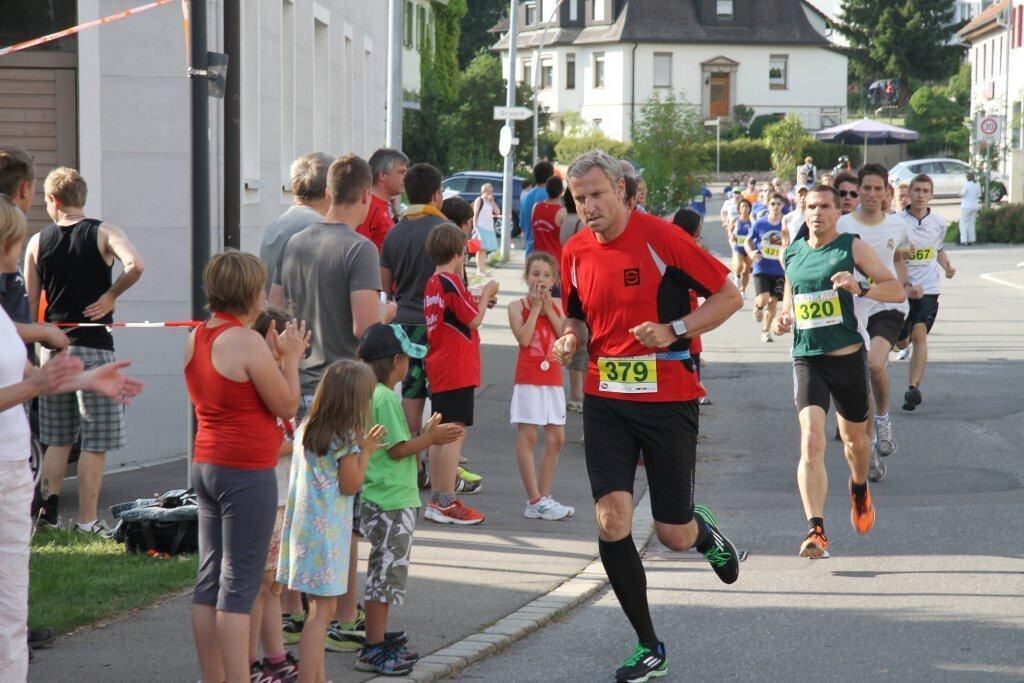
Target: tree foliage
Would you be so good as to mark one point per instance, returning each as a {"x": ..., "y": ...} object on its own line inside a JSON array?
[
  {"x": 423, "y": 136},
  {"x": 471, "y": 131},
  {"x": 475, "y": 26},
  {"x": 784, "y": 140},
  {"x": 665, "y": 146},
  {"x": 939, "y": 121},
  {"x": 579, "y": 138},
  {"x": 901, "y": 39}
]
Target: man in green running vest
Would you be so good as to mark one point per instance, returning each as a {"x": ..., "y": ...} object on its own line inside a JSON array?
[{"x": 829, "y": 360}]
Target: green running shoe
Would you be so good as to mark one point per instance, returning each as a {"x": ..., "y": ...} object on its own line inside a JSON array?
[
  {"x": 722, "y": 554},
  {"x": 643, "y": 665}
]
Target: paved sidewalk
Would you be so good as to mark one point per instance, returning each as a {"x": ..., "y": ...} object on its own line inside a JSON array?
[{"x": 461, "y": 580}]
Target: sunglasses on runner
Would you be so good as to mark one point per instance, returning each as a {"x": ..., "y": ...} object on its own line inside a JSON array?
[{"x": 849, "y": 193}]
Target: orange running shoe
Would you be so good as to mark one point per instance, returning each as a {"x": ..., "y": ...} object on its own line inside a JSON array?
[
  {"x": 815, "y": 546},
  {"x": 862, "y": 514},
  {"x": 456, "y": 513}
]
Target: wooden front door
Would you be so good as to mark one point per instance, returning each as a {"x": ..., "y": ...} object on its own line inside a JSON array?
[
  {"x": 39, "y": 112},
  {"x": 718, "y": 96}
]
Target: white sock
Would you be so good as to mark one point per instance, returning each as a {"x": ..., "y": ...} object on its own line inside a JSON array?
[
  {"x": 86, "y": 526},
  {"x": 882, "y": 417}
]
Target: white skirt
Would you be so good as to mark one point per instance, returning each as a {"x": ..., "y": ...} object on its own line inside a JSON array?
[{"x": 537, "y": 405}]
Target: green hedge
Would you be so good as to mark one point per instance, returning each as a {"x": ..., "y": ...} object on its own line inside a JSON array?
[
  {"x": 1003, "y": 223},
  {"x": 738, "y": 155},
  {"x": 753, "y": 155}
]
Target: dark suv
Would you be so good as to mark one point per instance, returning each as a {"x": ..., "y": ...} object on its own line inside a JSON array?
[{"x": 468, "y": 184}]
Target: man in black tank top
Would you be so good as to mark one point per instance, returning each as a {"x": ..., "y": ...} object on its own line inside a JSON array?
[{"x": 71, "y": 262}]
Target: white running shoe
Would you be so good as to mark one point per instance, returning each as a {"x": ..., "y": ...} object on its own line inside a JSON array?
[
  {"x": 546, "y": 508},
  {"x": 904, "y": 354},
  {"x": 758, "y": 313},
  {"x": 885, "y": 441},
  {"x": 766, "y": 337}
]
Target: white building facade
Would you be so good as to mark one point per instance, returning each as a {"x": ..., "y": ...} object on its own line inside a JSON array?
[
  {"x": 115, "y": 103},
  {"x": 603, "y": 59},
  {"x": 995, "y": 40}
]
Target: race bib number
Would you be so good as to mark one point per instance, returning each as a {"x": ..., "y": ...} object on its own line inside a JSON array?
[
  {"x": 921, "y": 255},
  {"x": 770, "y": 251},
  {"x": 631, "y": 375},
  {"x": 817, "y": 309}
]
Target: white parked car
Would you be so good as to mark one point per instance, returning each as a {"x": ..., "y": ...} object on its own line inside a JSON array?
[{"x": 948, "y": 176}]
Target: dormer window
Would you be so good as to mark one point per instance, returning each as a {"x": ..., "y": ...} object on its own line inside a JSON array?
[
  {"x": 723, "y": 10},
  {"x": 599, "y": 10},
  {"x": 531, "y": 13}
]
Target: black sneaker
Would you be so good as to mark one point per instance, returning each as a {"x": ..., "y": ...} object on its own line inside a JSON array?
[
  {"x": 291, "y": 627},
  {"x": 382, "y": 659},
  {"x": 912, "y": 398},
  {"x": 423, "y": 479},
  {"x": 285, "y": 672},
  {"x": 643, "y": 665},
  {"x": 41, "y": 637},
  {"x": 722, "y": 554},
  {"x": 48, "y": 517},
  {"x": 259, "y": 674}
]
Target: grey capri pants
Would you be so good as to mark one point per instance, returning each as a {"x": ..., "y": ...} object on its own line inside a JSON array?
[{"x": 236, "y": 519}]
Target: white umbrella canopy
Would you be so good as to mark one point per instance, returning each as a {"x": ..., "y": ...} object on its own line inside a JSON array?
[{"x": 866, "y": 132}]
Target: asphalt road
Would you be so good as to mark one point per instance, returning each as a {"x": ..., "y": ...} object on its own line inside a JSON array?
[{"x": 934, "y": 593}]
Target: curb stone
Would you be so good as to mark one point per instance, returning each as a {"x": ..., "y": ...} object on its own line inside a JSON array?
[{"x": 475, "y": 647}]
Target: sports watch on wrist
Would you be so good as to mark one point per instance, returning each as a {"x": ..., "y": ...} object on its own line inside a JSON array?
[
  {"x": 678, "y": 328},
  {"x": 864, "y": 287}
]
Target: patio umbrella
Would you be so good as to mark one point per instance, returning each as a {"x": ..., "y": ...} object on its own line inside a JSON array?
[{"x": 865, "y": 132}]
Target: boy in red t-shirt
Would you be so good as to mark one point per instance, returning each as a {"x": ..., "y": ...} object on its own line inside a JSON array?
[{"x": 452, "y": 363}]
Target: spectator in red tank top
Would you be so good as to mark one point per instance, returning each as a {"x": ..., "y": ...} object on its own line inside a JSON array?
[
  {"x": 388, "y": 167},
  {"x": 538, "y": 399},
  {"x": 239, "y": 391},
  {"x": 546, "y": 219}
]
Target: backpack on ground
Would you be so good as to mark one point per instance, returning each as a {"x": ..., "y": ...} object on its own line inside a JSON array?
[{"x": 167, "y": 524}]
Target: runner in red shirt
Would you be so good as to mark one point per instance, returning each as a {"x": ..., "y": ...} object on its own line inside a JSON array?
[
  {"x": 629, "y": 278},
  {"x": 388, "y": 167},
  {"x": 546, "y": 223}
]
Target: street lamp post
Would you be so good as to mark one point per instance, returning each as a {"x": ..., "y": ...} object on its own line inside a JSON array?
[{"x": 507, "y": 187}]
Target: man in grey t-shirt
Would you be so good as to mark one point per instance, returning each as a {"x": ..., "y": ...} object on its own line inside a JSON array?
[
  {"x": 329, "y": 274},
  {"x": 309, "y": 192}
]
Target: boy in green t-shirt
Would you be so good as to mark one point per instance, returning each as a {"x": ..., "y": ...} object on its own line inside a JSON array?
[{"x": 390, "y": 496}]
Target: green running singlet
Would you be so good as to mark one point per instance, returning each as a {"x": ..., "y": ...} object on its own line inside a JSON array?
[{"x": 823, "y": 318}]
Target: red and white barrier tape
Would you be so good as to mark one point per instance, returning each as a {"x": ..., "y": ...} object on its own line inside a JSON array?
[{"x": 81, "y": 27}]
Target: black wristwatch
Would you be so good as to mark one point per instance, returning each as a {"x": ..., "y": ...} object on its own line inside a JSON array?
[{"x": 864, "y": 287}]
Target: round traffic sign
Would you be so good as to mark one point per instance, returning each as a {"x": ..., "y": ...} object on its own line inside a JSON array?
[{"x": 989, "y": 125}]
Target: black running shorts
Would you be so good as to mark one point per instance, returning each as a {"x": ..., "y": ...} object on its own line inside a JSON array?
[
  {"x": 616, "y": 432},
  {"x": 887, "y": 325},
  {"x": 844, "y": 378},
  {"x": 455, "y": 405},
  {"x": 770, "y": 284},
  {"x": 922, "y": 312}
]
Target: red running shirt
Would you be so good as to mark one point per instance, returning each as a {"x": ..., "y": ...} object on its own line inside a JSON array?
[
  {"x": 235, "y": 428},
  {"x": 530, "y": 367},
  {"x": 453, "y": 347},
  {"x": 646, "y": 274},
  {"x": 378, "y": 222},
  {"x": 545, "y": 229}
]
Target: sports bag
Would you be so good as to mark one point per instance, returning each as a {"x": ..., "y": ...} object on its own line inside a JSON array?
[{"x": 167, "y": 524}]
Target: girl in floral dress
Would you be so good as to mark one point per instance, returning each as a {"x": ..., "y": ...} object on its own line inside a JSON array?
[{"x": 332, "y": 449}]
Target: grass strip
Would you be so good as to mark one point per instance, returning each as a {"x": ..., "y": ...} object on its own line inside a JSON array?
[{"x": 77, "y": 579}]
